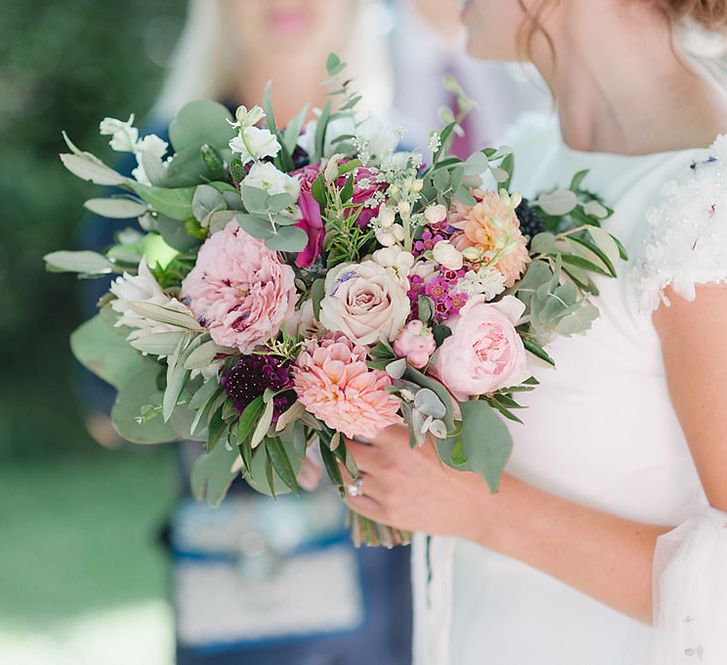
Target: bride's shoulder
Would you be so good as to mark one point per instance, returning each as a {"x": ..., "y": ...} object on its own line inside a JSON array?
[{"x": 686, "y": 240}]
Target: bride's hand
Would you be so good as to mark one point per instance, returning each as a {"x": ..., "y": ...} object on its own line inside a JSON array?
[{"x": 412, "y": 489}]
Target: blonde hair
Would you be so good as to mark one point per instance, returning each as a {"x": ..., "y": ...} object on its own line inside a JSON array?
[{"x": 203, "y": 63}]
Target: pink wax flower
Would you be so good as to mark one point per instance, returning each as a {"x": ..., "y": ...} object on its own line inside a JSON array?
[
  {"x": 310, "y": 216},
  {"x": 334, "y": 383},
  {"x": 484, "y": 352},
  {"x": 239, "y": 289},
  {"x": 415, "y": 343}
]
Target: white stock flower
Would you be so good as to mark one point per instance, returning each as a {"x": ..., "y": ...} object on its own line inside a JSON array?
[
  {"x": 446, "y": 254},
  {"x": 265, "y": 176},
  {"x": 247, "y": 118},
  {"x": 380, "y": 140},
  {"x": 435, "y": 213},
  {"x": 488, "y": 282},
  {"x": 398, "y": 260},
  {"x": 152, "y": 147},
  {"x": 253, "y": 144},
  {"x": 123, "y": 134},
  {"x": 142, "y": 288},
  {"x": 424, "y": 269},
  {"x": 388, "y": 236}
]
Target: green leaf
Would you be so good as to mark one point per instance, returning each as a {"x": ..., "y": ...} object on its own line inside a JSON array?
[
  {"x": 85, "y": 263},
  {"x": 158, "y": 344},
  {"x": 103, "y": 350},
  {"x": 201, "y": 122},
  {"x": 593, "y": 253},
  {"x": 334, "y": 65},
  {"x": 87, "y": 167},
  {"x": 578, "y": 178},
  {"x": 257, "y": 227},
  {"x": 205, "y": 201},
  {"x": 318, "y": 190},
  {"x": 281, "y": 463},
  {"x": 319, "y": 141},
  {"x": 263, "y": 477},
  {"x": 425, "y": 308},
  {"x": 213, "y": 161},
  {"x": 347, "y": 191},
  {"x": 318, "y": 292},
  {"x": 292, "y": 131},
  {"x": 441, "y": 332},
  {"x": 174, "y": 203},
  {"x": 424, "y": 381},
  {"x": 538, "y": 351},
  {"x": 217, "y": 429},
  {"x": 212, "y": 474},
  {"x": 173, "y": 231},
  {"x": 580, "y": 262},
  {"x": 486, "y": 441},
  {"x": 330, "y": 463},
  {"x": 116, "y": 207},
  {"x": 134, "y": 396},
  {"x": 288, "y": 239},
  {"x": 166, "y": 314},
  {"x": 249, "y": 420}
]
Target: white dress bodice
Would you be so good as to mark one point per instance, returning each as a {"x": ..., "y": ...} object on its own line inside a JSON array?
[{"x": 599, "y": 430}]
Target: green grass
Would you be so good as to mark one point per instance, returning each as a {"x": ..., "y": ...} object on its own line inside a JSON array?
[{"x": 79, "y": 554}]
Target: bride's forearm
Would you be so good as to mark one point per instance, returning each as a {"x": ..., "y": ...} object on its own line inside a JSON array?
[{"x": 606, "y": 557}]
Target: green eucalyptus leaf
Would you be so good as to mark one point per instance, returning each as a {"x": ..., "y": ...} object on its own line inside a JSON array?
[
  {"x": 174, "y": 203},
  {"x": 103, "y": 350},
  {"x": 201, "y": 122},
  {"x": 116, "y": 207},
  {"x": 84, "y": 262},
  {"x": 486, "y": 441},
  {"x": 87, "y": 167},
  {"x": 288, "y": 239},
  {"x": 137, "y": 394},
  {"x": 206, "y": 200},
  {"x": 257, "y": 227},
  {"x": 212, "y": 474}
]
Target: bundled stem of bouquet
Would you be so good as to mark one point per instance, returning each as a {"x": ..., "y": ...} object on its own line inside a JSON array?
[{"x": 297, "y": 287}]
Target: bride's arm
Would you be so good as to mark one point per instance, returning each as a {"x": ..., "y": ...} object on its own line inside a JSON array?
[{"x": 604, "y": 556}]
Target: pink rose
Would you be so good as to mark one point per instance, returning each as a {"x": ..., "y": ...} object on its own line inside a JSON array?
[
  {"x": 239, "y": 289},
  {"x": 415, "y": 343},
  {"x": 484, "y": 352},
  {"x": 310, "y": 216}
]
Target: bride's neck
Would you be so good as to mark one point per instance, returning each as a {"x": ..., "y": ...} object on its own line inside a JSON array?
[{"x": 620, "y": 87}]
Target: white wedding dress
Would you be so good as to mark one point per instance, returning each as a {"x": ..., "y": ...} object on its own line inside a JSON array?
[{"x": 601, "y": 430}]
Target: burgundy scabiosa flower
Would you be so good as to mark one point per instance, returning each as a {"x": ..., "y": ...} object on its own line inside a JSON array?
[{"x": 252, "y": 375}]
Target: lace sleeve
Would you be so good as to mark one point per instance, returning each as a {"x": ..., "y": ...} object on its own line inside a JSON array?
[
  {"x": 686, "y": 243},
  {"x": 690, "y": 592}
]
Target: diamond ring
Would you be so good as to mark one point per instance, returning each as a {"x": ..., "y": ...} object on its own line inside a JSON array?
[{"x": 356, "y": 488}]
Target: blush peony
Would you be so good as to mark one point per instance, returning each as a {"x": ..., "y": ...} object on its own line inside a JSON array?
[
  {"x": 484, "y": 352},
  {"x": 334, "y": 383},
  {"x": 239, "y": 289},
  {"x": 365, "y": 301}
]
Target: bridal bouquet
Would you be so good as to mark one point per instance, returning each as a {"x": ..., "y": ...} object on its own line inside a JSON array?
[{"x": 292, "y": 286}]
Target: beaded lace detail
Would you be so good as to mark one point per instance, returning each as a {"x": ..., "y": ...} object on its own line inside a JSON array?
[{"x": 686, "y": 243}]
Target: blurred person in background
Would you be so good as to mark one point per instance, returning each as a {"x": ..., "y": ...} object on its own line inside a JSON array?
[
  {"x": 228, "y": 51},
  {"x": 428, "y": 44}
]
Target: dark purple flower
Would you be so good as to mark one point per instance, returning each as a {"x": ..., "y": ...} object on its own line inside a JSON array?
[{"x": 251, "y": 376}]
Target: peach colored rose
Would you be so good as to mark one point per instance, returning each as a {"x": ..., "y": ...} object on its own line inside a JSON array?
[
  {"x": 334, "y": 383},
  {"x": 365, "y": 301},
  {"x": 484, "y": 352},
  {"x": 239, "y": 289}
]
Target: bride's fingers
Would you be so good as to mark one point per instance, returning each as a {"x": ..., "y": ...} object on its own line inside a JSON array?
[
  {"x": 366, "y": 506},
  {"x": 364, "y": 454}
]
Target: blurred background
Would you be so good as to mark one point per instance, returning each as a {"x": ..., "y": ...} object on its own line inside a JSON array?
[{"x": 86, "y": 576}]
